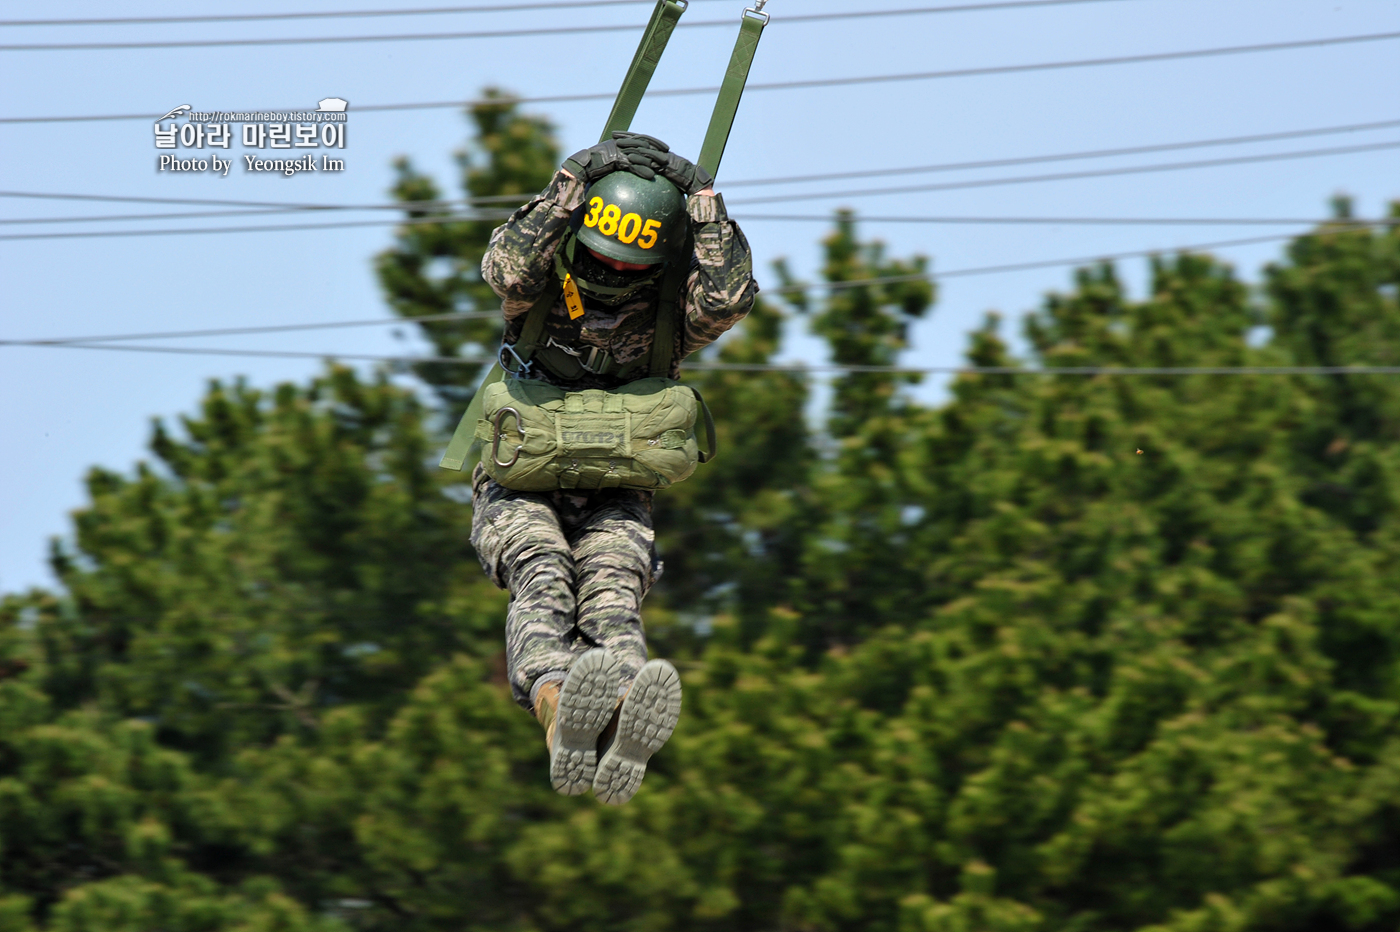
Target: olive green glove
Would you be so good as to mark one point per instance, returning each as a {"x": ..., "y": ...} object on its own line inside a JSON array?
[
  {"x": 678, "y": 170},
  {"x": 588, "y": 165}
]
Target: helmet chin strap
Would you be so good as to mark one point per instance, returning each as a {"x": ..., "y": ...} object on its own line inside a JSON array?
[{"x": 565, "y": 264}]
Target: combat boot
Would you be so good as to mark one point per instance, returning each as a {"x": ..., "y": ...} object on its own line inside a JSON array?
[
  {"x": 644, "y": 721},
  {"x": 573, "y": 716}
]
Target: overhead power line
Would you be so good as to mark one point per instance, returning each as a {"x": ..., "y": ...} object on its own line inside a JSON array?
[
  {"x": 275, "y": 206},
  {"x": 1054, "y": 370},
  {"x": 506, "y": 33},
  {"x": 331, "y": 14},
  {"x": 341, "y": 40},
  {"x": 830, "y": 82},
  {"x": 483, "y": 315},
  {"x": 751, "y": 218},
  {"x": 1068, "y": 176},
  {"x": 1069, "y": 156},
  {"x": 224, "y": 202},
  {"x": 801, "y": 369},
  {"x": 272, "y": 328},
  {"x": 127, "y": 218},
  {"x": 816, "y": 195},
  {"x": 1078, "y": 221},
  {"x": 515, "y": 199},
  {"x": 425, "y": 11},
  {"x": 262, "y": 228}
]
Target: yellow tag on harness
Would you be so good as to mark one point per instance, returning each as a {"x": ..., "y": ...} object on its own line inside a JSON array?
[{"x": 571, "y": 298}]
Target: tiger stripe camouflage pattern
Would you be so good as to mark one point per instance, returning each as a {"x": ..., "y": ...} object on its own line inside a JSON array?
[
  {"x": 719, "y": 291},
  {"x": 578, "y": 564}
]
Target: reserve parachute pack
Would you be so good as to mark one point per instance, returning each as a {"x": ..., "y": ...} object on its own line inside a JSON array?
[{"x": 539, "y": 437}]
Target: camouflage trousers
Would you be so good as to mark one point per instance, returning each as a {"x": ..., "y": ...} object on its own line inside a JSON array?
[{"x": 577, "y": 565}]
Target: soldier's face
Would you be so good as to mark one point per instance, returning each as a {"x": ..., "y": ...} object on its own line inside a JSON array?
[{"x": 618, "y": 264}]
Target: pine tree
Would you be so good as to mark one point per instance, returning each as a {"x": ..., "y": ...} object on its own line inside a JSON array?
[{"x": 975, "y": 666}]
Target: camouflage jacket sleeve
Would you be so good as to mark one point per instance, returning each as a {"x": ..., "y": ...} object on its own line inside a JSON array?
[
  {"x": 721, "y": 287},
  {"x": 519, "y": 262}
]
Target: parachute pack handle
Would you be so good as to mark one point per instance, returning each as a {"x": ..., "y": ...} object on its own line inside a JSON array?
[
  {"x": 727, "y": 105},
  {"x": 634, "y": 85},
  {"x": 711, "y": 445},
  {"x": 464, "y": 449}
]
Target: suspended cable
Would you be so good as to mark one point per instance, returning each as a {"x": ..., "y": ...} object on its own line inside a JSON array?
[
  {"x": 514, "y": 199},
  {"x": 124, "y": 218},
  {"x": 757, "y": 218},
  {"x": 829, "y": 82},
  {"x": 272, "y": 328},
  {"x": 425, "y": 11},
  {"x": 1067, "y": 176},
  {"x": 783, "y": 289},
  {"x": 1076, "y": 221},
  {"x": 268, "y": 228},
  {"x": 1068, "y": 156},
  {"x": 819, "y": 195},
  {"x": 1054, "y": 370},
  {"x": 492, "y": 33},
  {"x": 331, "y": 14},
  {"x": 339, "y": 40},
  {"x": 801, "y": 369}
]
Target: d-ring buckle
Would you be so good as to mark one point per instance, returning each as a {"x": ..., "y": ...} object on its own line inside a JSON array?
[{"x": 496, "y": 439}]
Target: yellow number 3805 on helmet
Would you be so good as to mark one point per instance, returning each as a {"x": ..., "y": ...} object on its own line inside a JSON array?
[{"x": 631, "y": 219}]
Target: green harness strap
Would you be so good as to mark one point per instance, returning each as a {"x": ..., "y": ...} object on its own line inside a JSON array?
[
  {"x": 663, "y": 344},
  {"x": 654, "y": 38},
  {"x": 464, "y": 448},
  {"x": 722, "y": 119}
]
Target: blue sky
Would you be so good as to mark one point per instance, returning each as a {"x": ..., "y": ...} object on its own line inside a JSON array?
[{"x": 66, "y": 410}]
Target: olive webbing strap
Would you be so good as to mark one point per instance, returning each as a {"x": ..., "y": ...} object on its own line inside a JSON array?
[
  {"x": 711, "y": 444},
  {"x": 534, "y": 320},
  {"x": 463, "y": 449},
  {"x": 722, "y": 119},
  {"x": 654, "y": 38},
  {"x": 663, "y": 342}
]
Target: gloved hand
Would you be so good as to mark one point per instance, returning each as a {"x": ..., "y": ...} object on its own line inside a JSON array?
[
  {"x": 588, "y": 165},
  {"x": 678, "y": 170}
]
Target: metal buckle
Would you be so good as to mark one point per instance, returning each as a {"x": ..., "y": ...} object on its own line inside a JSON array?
[
  {"x": 523, "y": 370},
  {"x": 757, "y": 10},
  {"x": 496, "y": 438},
  {"x": 588, "y": 361}
]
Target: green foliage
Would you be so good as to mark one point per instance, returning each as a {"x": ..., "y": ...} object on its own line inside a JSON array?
[
  {"x": 976, "y": 666},
  {"x": 435, "y": 268},
  {"x": 291, "y": 553}
]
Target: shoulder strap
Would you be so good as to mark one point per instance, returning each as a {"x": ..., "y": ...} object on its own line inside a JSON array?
[
  {"x": 654, "y": 38},
  {"x": 464, "y": 449},
  {"x": 663, "y": 346},
  {"x": 722, "y": 119},
  {"x": 530, "y": 333}
]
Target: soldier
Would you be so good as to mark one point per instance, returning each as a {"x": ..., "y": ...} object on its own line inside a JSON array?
[{"x": 578, "y": 563}]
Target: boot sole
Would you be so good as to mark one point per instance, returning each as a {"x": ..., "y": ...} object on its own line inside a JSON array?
[
  {"x": 644, "y": 723},
  {"x": 586, "y": 703}
]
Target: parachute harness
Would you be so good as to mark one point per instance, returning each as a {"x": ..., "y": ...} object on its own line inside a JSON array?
[{"x": 517, "y": 358}]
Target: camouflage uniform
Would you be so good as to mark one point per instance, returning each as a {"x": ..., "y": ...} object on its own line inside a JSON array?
[{"x": 578, "y": 564}]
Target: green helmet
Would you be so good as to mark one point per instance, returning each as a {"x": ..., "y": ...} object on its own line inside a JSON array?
[{"x": 631, "y": 219}]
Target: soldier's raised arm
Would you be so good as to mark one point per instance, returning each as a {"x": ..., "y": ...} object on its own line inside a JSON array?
[
  {"x": 519, "y": 262},
  {"x": 720, "y": 289},
  {"x": 520, "y": 258}
]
